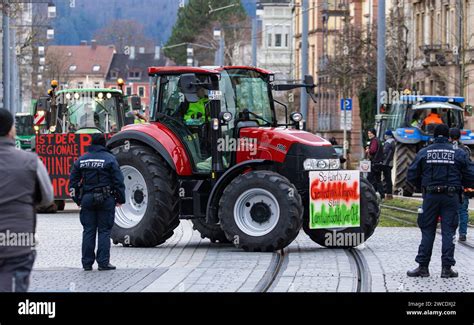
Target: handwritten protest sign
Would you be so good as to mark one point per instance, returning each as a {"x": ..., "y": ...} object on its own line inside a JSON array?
[
  {"x": 334, "y": 199},
  {"x": 58, "y": 153}
]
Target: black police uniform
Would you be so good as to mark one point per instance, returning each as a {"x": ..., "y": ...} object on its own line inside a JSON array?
[
  {"x": 98, "y": 182},
  {"x": 440, "y": 171}
]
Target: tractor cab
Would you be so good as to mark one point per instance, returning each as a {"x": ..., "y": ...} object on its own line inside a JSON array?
[
  {"x": 414, "y": 118},
  {"x": 88, "y": 111}
]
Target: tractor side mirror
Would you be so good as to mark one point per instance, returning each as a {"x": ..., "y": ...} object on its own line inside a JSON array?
[
  {"x": 309, "y": 82},
  {"x": 136, "y": 103},
  {"x": 469, "y": 110},
  {"x": 188, "y": 87}
]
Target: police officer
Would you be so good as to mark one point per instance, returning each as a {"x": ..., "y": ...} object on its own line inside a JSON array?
[
  {"x": 455, "y": 138},
  {"x": 97, "y": 186},
  {"x": 440, "y": 171}
]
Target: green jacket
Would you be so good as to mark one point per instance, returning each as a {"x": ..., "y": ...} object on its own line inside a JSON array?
[{"x": 195, "y": 108}]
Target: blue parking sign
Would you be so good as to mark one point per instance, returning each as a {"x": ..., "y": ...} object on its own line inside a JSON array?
[{"x": 346, "y": 104}]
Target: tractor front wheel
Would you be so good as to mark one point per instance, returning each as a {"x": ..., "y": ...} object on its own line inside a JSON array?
[
  {"x": 150, "y": 213},
  {"x": 350, "y": 237},
  {"x": 261, "y": 211}
]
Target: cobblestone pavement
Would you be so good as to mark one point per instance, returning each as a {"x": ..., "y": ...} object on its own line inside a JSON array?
[{"x": 187, "y": 263}]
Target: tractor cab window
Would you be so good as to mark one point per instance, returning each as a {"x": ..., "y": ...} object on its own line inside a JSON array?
[
  {"x": 88, "y": 113},
  {"x": 247, "y": 90},
  {"x": 396, "y": 119},
  {"x": 189, "y": 120}
]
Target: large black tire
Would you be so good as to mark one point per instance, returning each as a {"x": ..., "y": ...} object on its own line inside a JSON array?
[
  {"x": 161, "y": 216},
  {"x": 404, "y": 155},
  {"x": 369, "y": 214},
  {"x": 281, "y": 228},
  {"x": 213, "y": 232}
]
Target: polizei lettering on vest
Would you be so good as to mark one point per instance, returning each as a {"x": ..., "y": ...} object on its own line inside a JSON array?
[
  {"x": 37, "y": 308},
  {"x": 440, "y": 156}
]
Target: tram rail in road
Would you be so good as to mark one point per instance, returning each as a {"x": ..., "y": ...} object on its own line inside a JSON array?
[
  {"x": 271, "y": 275},
  {"x": 465, "y": 244},
  {"x": 364, "y": 279}
]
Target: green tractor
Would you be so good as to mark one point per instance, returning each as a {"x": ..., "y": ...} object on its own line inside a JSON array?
[{"x": 71, "y": 117}]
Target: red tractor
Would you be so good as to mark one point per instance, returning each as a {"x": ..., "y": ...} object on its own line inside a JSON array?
[{"x": 215, "y": 153}]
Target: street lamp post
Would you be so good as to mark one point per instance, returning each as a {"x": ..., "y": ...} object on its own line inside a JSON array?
[
  {"x": 6, "y": 57},
  {"x": 304, "y": 56}
]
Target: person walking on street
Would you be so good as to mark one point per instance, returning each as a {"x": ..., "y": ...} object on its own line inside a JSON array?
[
  {"x": 97, "y": 186},
  {"x": 441, "y": 172},
  {"x": 455, "y": 137},
  {"x": 387, "y": 165},
  {"x": 374, "y": 153},
  {"x": 24, "y": 183}
]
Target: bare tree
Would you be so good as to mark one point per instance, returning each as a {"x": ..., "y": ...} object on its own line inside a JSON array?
[
  {"x": 57, "y": 66},
  {"x": 124, "y": 34},
  {"x": 398, "y": 74},
  {"x": 236, "y": 33}
]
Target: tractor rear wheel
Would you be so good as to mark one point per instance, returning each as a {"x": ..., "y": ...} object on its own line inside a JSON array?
[
  {"x": 213, "y": 232},
  {"x": 404, "y": 156},
  {"x": 369, "y": 219},
  {"x": 261, "y": 211},
  {"x": 150, "y": 213}
]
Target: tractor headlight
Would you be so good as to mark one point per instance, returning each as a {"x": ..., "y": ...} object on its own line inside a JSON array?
[
  {"x": 296, "y": 117},
  {"x": 321, "y": 164}
]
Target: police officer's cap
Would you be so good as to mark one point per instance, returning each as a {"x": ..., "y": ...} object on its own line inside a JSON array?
[
  {"x": 6, "y": 122},
  {"x": 98, "y": 139},
  {"x": 454, "y": 133},
  {"x": 441, "y": 130}
]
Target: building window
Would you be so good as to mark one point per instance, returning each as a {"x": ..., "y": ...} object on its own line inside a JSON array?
[
  {"x": 114, "y": 74},
  {"x": 96, "y": 68},
  {"x": 73, "y": 68},
  {"x": 269, "y": 40},
  {"x": 287, "y": 40},
  {"x": 277, "y": 40},
  {"x": 141, "y": 91},
  {"x": 134, "y": 75},
  {"x": 96, "y": 85},
  {"x": 113, "y": 87},
  {"x": 80, "y": 85},
  {"x": 129, "y": 91}
]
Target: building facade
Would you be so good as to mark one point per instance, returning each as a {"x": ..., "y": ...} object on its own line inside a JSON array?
[
  {"x": 327, "y": 21},
  {"x": 276, "y": 48},
  {"x": 133, "y": 69},
  {"x": 441, "y": 58},
  {"x": 81, "y": 66}
]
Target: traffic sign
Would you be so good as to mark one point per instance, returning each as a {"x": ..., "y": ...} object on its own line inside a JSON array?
[{"x": 346, "y": 104}]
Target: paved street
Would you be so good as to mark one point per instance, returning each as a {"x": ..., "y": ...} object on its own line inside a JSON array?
[{"x": 187, "y": 263}]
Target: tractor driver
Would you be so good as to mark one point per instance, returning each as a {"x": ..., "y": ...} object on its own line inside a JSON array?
[
  {"x": 433, "y": 118},
  {"x": 196, "y": 114},
  {"x": 90, "y": 119}
]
